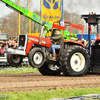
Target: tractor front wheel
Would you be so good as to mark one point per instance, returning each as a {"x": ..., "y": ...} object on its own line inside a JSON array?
[{"x": 36, "y": 57}]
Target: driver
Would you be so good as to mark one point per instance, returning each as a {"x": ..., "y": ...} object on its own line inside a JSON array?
[{"x": 59, "y": 41}]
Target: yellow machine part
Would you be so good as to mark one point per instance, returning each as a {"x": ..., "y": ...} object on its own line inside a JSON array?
[
  {"x": 34, "y": 34},
  {"x": 49, "y": 33}
]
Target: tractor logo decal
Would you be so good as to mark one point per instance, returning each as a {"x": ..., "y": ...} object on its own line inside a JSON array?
[
  {"x": 51, "y": 4},
  {"x": 51, "y": 10}
]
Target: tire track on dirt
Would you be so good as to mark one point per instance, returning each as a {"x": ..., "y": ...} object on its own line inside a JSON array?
[{"x": 36, "y": 81}]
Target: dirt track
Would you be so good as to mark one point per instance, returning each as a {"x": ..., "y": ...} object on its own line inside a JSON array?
[{"x": 36, "y": 81}]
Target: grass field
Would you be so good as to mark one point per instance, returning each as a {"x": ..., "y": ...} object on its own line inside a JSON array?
[
  {"x": 17, "y": 70},
  {"x": 49, "y": 94},
  {"x": 42, "y": 94}
]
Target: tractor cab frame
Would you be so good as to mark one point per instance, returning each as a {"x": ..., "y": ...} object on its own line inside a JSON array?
[{"x": 63, "y": 28}]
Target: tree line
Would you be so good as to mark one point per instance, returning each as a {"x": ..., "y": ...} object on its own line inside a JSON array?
[{"x": 10, "y": 22}]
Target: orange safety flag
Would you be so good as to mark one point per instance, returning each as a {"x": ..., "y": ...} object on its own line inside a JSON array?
[{"x": 50, "y": 10}]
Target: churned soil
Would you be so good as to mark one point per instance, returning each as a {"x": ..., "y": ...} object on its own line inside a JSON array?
[{"x": 36, "y": 81}]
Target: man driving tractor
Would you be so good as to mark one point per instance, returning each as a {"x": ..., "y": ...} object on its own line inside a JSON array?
[{"x": 59, "y": 40}]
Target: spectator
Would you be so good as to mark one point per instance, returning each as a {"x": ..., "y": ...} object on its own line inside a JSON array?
[
  {"x": 92, "y": 41},
  {"x": 97, "y": 40},
  {"x": 83, "y": 41},
  {"x": 79, "y": 40},
  {"x": 10, "y": 45},
  {"x": 87, "y": 45},
  {"x": 87, "y": 42},
  {"x": 98, "y": 36}
]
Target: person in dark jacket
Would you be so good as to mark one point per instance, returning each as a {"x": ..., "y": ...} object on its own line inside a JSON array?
[{"x": 59, "y": 41}]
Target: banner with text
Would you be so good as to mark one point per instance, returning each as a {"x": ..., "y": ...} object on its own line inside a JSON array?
[{"x": 50, "y": 10}]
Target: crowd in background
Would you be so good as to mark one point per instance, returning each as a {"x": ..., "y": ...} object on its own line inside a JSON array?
[
  {"x": 85, "y": 42},
  {"x": 11, "y": 43}
]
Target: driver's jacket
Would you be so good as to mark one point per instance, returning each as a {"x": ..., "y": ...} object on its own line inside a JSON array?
[{"x": 59, "y": 39}]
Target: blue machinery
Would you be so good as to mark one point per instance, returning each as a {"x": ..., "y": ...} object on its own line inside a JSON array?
[{"x": 91, "y": 19}]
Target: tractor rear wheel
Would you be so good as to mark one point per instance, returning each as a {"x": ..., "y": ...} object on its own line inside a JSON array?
[
  {"x": 36, "y": 57},
  {"x": 14, "y": 60},
  {"x": 74, "y": 61},
  {"x": 49, "y": 69}
]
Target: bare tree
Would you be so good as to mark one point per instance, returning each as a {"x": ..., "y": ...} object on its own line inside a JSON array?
[
  {"x": 36, "y": 28},
  {"x": 75, "y": 19},
  {"x": 10, "y": 24}
]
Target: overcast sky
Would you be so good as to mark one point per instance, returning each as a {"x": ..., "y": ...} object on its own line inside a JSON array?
[{"x": 73, "y": 6}]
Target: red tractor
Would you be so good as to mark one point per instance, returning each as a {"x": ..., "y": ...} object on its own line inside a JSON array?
[{"x": 72, "y": 58}]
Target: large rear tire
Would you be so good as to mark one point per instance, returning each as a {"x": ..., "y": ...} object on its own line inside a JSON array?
[
  {"x": 36, "y": 57},
  {"x": 49, "y": 69},
  {"x": 74, "y": 61},
  {"x": 14, "y": 60}
]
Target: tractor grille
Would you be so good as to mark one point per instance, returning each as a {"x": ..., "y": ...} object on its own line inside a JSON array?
[{"x": 22, "y": 39}]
